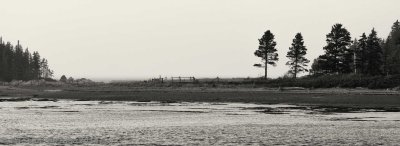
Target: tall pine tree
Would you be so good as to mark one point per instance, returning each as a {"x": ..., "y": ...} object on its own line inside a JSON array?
[
  {"x": 26, "y": 65},
  {"x": 18, "y": 62},
  {"x": 337, "y": 49},
  {"x": 297, "y": 51},
  {"x": 266, "y": 51},
  {"x": 354, "y": 48},
  {"x": 392, "y": 50},
  {"x": 375, "y": 54},
  {"x": 46, "y": 72},
  {"x": 36, "y": 65},
  {"x": 361, "y": 55},
  {"x": 2, "y": 60},
  {"x": 9, "y": 62}
]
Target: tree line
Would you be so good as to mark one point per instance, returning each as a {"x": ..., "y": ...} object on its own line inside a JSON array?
[
  {"x": 19, "y": 64},
  {"x": 368, "y": 55}
]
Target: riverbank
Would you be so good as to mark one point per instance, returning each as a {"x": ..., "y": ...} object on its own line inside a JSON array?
[{"x": 332, "y": 96}]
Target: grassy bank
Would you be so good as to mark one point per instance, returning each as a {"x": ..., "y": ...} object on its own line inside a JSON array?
[
  {"x": 325, "y": 96},
  {"x": 342, "y": 81},
  {"x": 320, "y": 97},
  {"x": 312, "y": 82}
]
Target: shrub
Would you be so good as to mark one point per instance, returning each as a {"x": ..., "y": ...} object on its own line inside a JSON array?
[{"x": 331, "y": 81}]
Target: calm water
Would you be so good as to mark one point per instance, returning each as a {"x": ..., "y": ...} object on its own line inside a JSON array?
[{"x": 107, "y": 123}]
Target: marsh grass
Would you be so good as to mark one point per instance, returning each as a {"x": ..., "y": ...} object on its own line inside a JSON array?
[{"x": 259, "y": 97}]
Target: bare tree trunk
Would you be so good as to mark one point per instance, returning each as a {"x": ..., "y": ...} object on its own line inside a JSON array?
[
  {"x": 295, "y": 69},
  {"x": 266, "y": 69}
]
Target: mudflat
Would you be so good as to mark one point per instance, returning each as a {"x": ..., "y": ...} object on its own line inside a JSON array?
[
  {"x": 69, "y": 122},
  {"x": 333, "y": 96},
  {"x": 198, "y": 116}
]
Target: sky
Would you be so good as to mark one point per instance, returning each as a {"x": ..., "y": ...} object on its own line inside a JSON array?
[{"x": 140, "y": 39}]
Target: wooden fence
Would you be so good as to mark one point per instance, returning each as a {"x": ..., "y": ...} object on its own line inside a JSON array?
[{"x": 183, "y": 79}]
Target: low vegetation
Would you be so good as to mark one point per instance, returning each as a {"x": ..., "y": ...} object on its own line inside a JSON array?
[{"x": 333, "y": 81}]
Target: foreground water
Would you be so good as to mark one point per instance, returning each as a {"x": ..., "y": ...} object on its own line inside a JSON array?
[{"x": 155, "y": 123}]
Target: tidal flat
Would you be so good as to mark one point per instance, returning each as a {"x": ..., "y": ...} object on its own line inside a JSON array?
[{"x": 66, "y": 121}]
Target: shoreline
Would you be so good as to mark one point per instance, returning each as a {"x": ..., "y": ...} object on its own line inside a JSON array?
[{"x": 297, "y": 96}]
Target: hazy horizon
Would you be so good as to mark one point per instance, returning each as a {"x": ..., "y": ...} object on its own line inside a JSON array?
[{"x": 124, "y": 39}]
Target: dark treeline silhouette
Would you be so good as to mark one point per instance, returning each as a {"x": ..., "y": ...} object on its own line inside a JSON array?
[
  {"x": 19, "y": 64},
  {"x": 392, "y": 50},
  {"x": 368, "y": 55}
]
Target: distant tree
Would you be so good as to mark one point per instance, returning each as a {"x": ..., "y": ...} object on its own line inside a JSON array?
[
  {"x": 392, "y": 50},
  {"x": 337, "y": 49},
  {"x": 26, "y": 65},
  {"x": 18, "y": 62},
  {"x": 2, "y": 60},
  {"x": 63, "y": 79},
  {"x": 383, "y": 58},
  {"x": 9, "y": 67},
  {"x": 375, "y": 54},
  {"x": 321, "y": 65},
  {"x": 361, "y": 54},
  {"x": 36, "y": 65},
  {"x": 70, "y": 80},
  {"x": 45, "y": 71},
  {"x": 315, "y": 67},
  {"x": 354, "y": 48},
  {"x": 347, "y": 66},
  {"x": 266, "y": 51},
  {"x": 387, "y": 68},
  {"x": 296, "y": 54}
]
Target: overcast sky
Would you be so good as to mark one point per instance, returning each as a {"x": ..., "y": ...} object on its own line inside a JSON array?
[{"x": 117, "y": 39}]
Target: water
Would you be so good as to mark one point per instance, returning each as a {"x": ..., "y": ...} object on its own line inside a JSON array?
[{"x": 155, "y": 123}]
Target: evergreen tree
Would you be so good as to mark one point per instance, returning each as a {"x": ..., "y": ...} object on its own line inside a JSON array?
[
  {"x": 36, "y": 65},
  {"x": 361, "y": 54},
  {"x": 347, "y": 66},
  {"x": 337, "y": 49},
  {"x": 45, "y": 70},
  {"x": 63, "y": 79},
  {"x": 383, "y": 58},
  {"x": 2, "y": 60},
  {"x": 354, "y": 48},
  {"x": 296, "y": 54},
  {"x": 70, "y": 80},
  {"x": 392, "y": 50},
  {"x": 375, "y": 54},
  {"x": 266, "y": 51},
  {"x": 26, "y": 65},
  {"x": 9, "y": 62},
  {"x": 321, "y": 65},
  {"x": 387, "y": 69},
  {"x": 18, "y": 62}
]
